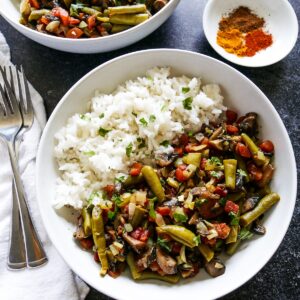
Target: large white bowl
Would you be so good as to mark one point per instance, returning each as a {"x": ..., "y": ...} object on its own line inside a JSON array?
[
  {"x": 9, "y": 9},
  {"x": 240, "y": 94},
  {"x": 281, "y": 22}
]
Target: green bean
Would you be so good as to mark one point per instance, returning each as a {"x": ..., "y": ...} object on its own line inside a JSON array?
[
  {"x": 87, "y": 222},
  {"x": 233, "y": 235},
  {"x": 179, "y": 234},
  {"x": 129, "y": 19},
  {"x": 153, "y": 182},
  {"x": 90, "y": 11},
  {"x": 173, "y": 183},
  {"x": 207, "y": 252},
  {"x": 151, "y": 275},
  {"x": 258, "y": 155},
  {"x": 192, "y": 158},
  {"x": 231, "y": 249},
  {"x": 37, "y": 14},
  {"x": 132, "y": 9},
  {"x": 138, "y": 216},
  {"x": 25, "y": 8},
  {"x": 133, "y": 180},
  {"x": 118, "y": 28},
  {"x": 263, "y": 205},
  {"x": 103, "y": 19},
  {"x": 230, "y": 171},
  {"x": 99, "y": 238},
  {"x": 131, "y": 264}
]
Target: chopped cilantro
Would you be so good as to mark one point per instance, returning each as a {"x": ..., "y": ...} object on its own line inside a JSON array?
[
  {"x": 222, "y": 201},
  {"x": 129, "y": 150},
  {"x": 148, "y": 77},
  {"x": 215, "y": 160},
  {"x": 197, "y": 240},
  {"x": 89, "y": 153},
  {"x": 152, "y": 118},
  {"x": 111, "y": 215},
  {"x": 190, "y": 133},
  {"x": 102, "y": 131},
  {"x": 84, "y": 117},
  {"x": 120, "y": 179},
  {"x": 234, "y": 218},
  {"x": 91, "y": 198},
  {"x": 164, "y": 107},
  {"x": 242, "y": 172},
  {"x": 185, "y": 89},
  {"x": 101, "y": 116},
  {"x": 144, "y": 122},
  {"x": 187, "y": 103},
  {"x": 165, "y": 143},
  {"x": 117, "y": 199},
  {"x": 215, "y": 174},
  {"x": 245, "y": 234},
  {"x": 180, "y": 217},
  {"x": 163, "y": 244}
]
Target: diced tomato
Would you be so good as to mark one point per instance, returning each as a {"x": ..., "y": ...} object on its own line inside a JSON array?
[
  {"x": 109, "y": 189},
  {"x": 144, "y": 235},
  {"x": 136, "y": 169},
  {"x": 267, "y": 146},
  {"x": 81, "y": 15},
  {"x": 96, "y": 257},
  {"x": 231, "y": 116},
  {"x": 74, "y": 33},
  {"x": 211, "y": 242},
  {"x": 231, "y": 207},
  {"x": 223, "y": 230},
  {"x": 243, "y": 150},
  {"x": 232, "y": 129},
  {"x": 254, "y": 172},
  {"x": 73, "y": 21},
  {"x": 44, "y": 20},
  {"x": 221, "y": 191},
  {"x": 184, "y": 139},
  {"x": 163, "y": 210},
  {"x": 179, "y": 151},
  {"x": 86, "y": 244},
  {"x": 91, "y": 21},
  {"x": 188, "y": 148},
  {"x": 205, "y": 141},
  {"x": 64, "y": 16},
  {"x": 34, "y": 3},
  {"x": 203, "y": 163},
  {"x": 180, "y": 175}
]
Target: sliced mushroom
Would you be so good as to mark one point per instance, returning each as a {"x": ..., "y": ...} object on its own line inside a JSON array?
[
  {"x": 215, "y": 267},
  {"x": 159, "y": 4},
  {"x": 216, "y": 144},
  {"x": 166, "y": 262},
  {"x": 249, "y": 123},
  {"x": 258, "y": 228},
  {"x": 146, "y": 259},
  {"x": 216, "y": 133},
  {"x": 135, "y": 244},
  {"x": 204, "y": 193},
  {"x": 164, "y": 159},
  {"x": 79, "y": 234},
  {"x": 268, "y": 172},
  {"x": 249, "y": 203}
]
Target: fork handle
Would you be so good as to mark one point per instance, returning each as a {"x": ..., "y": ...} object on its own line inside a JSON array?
[
  {"x": 17, "y": 253},
  {"x": 35, "y": 253}
]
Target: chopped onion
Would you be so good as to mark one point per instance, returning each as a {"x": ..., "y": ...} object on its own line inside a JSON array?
[
  {"x": 140, "y": 197},
  {"x": 114, "y": 250},
  {"x": 128, "y": 227},
  {"x": 131, "y": 209},
  {"x": 159, "y": 220}
]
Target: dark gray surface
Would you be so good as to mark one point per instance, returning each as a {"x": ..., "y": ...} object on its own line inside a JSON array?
[{"x": 52, "y": 73}]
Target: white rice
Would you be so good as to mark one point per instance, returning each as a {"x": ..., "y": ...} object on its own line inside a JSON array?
[{"x": 148, "y": 108}]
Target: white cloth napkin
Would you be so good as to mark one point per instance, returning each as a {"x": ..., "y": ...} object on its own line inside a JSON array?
[{"x": 53, "y": 280}]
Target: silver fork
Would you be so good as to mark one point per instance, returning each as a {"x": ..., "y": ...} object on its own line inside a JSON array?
[{"x": 35, "y": 255}]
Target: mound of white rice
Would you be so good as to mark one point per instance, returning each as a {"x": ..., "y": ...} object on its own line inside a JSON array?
[{"x": 127, "y": 126}]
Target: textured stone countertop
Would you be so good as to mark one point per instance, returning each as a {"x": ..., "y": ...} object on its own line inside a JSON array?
[{"x": 52, "y": 73}]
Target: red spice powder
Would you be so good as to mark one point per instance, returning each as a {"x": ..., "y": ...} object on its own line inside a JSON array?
[{"x": 257, "y": 40}]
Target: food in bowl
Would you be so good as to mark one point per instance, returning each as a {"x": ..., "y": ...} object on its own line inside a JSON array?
[
  {"x": 86, "y": 18},
  {"x": 165, "y": 177}
]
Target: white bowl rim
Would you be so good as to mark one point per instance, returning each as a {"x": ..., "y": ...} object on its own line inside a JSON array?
[
  {"x": 240, "y": 62},
  {"x": 86, "y": 40},
  {"x": 225, "y": 290}
]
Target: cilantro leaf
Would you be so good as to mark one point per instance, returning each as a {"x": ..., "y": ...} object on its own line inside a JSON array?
[
  {"x": 120, "y": 179},
  {"x": 185, "y": 89},
  {"x": 117, "y": 199},
  {"x": 89, "y": 153},
  {"x": 180, "y": 217},
  {"x": 129, "y": 149},
  {"x": 144, "y": 122},
  {"x": 111, "y": 215},
  {"x": 234, "y": 218},
  {"x": 102, "y": 131},
  {"x": 245, "y": 234},
  {"x": 215, "y": 160},
  {"x": 101, "y": 116},
  {"x": 197, "y": 240},
  {"x": 163, "y": 244},
  {"x": 187, "y": 103},
  {"x": 152, "y": 118},
  {"x": 165, "y": 143},
  {"x": 242, "y": 172}
]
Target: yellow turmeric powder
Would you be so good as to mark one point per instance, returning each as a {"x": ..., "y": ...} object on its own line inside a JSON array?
[{"x": 232, "y": 41}]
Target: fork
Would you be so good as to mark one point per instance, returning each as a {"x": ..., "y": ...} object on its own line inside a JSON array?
[{"x": 11, "y": 122}]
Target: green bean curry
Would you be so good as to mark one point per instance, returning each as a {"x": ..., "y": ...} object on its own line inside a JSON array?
[
  {"x": 86, "y": 18},
  {"x": 170, "y": 219}
]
